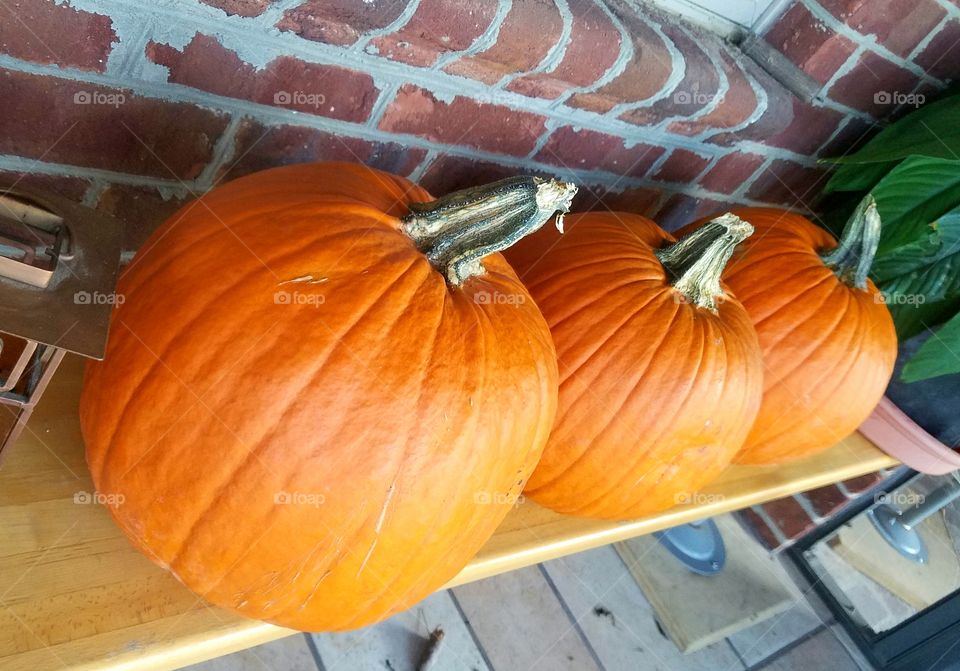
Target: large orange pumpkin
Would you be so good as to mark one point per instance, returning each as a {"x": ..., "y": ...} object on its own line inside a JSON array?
[
  {"x": 660, "y": 372},
  {"x": 309, "y": 417},
  {"x": 828, "y": 340}
]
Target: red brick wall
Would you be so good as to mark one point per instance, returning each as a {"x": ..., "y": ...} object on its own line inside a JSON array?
[
  {"x": 778, "y": 524},
  {"x": 135, "y": 107}
]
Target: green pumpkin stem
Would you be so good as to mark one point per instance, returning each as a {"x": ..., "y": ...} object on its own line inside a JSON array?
[
  {"x": 695, "y": 262},
  {"x": 853, "y": 255},
  {"x": 457, "y": 231}
]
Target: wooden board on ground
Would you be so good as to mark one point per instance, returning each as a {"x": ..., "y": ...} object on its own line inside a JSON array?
[
  {"x": 620, "y": 624},
  {"x": 697, "y": 610},
  {"x": 919, "y": 585}
]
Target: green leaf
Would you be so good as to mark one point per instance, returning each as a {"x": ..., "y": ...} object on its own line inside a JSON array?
[
  {"x": 914, "y": 194},
  {"x": 911, "y": 318},
  {"x": 936, "y": 243},
  {"x": 940, "y": 355},
  {"x": 854, "y": 177},
  {"x": 921, "y": 279},
  {"x": 931, "y": 130}
]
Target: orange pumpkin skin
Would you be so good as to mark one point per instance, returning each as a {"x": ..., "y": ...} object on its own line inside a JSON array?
[
  {"x": 319, "y": 455},
  {"x": 828, "y": 348},
  {"x": 656, "y": 394}
]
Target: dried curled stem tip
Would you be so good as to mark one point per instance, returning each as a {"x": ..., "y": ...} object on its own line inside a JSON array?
[
  {"x": 695, "y": 262},
  {"x": 555, "y": 196},
  {"x": 458, "y": 230}
]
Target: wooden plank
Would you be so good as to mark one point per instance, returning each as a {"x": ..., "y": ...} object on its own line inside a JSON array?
[
  {"x": 697, "y": 610},
  {"x": 119, "y": 610},
  {"x": 618, "y": 620},
  {"x": 400, "y": 642},
  {"x": 288, "y": 654},
  {"x": 521, "y": 624},
  {"x": 533, "y": 534},
  {"x": 919, "y": 585}
]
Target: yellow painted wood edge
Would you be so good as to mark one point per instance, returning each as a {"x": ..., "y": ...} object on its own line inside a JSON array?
[
  {"x": 526, "y": 546},
  {"x": 503, "y": 553}
]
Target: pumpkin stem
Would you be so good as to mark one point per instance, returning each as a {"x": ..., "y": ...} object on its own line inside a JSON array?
[
  {"x": 853, "y": 255},
  {"x": 458, "y": 230},
  {"x": 696, "y": 261}
]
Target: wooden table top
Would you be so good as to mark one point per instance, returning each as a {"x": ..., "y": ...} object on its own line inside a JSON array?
[{"x": 75, "y": 594}]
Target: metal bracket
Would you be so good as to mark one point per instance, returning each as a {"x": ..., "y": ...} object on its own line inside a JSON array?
[{"x": 698, "y": 546}]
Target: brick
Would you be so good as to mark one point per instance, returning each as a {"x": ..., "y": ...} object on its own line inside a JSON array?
[
  {"x": 528, "y": 32},
  {"x": 731, "y": 171},
  {"x": 736, "y": 106},
  {"x": 810, "y": 128},
  {"x": 41, "y": 31},
  {"x": 639, "y": 200},
  {"x": 591, "y": 150},
  {"x": 259, "y": 147},
  {"x": 899, "y": 25},
  {"x": 240, "y": 7},
  {"x": 792, "y": 520},
  {"x": 451, "y": 173},
  {"x": 114, "y": 130},
  {"x": 682, "y": 166},
  {"x": 681, "y": 209},
  {"x": 437, "y": 27},
  {"x": 826, "y": 500},
  {"x": 872, "y": 84},
  {"x": 941, "y": 58},
  {"x": 857, "y": 486},
  {"x": 73, "y": 188},
  {"x": 787, "y": 183},
  {"x": 340, "y": 22},
  {"x": 644, "y": 75},
  {"x": 592, "y": 50},
  {"x": 759, "y": 528},
  {"x": 324, "y": 90},
  {"x": 852, "y": 136},
  {"x": 812, "y": 46},
  {"x": 777, "y": 115},
  {"x": 698, "y": 88},
  {"x": 463, "y": 121},
  {"x": 141, "y": 209}
]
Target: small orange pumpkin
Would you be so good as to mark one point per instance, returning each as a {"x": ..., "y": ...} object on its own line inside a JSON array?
[
  {"x": 828, "y": 340},
  {"x": 314, "y": 406},
  {"x": 660, "y": 372}
]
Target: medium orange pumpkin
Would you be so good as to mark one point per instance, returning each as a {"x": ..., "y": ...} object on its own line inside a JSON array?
[
  {"x": 828, "y": 340},
  {"x": 304, "y": 419},
  {"x": 660, "y": 372}
]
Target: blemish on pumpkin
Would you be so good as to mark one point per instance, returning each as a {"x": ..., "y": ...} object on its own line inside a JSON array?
[
  {"x": 363, "y": 564},
  {"x": 305, "y": 279},
  {"x": 383, "y": 510}
]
